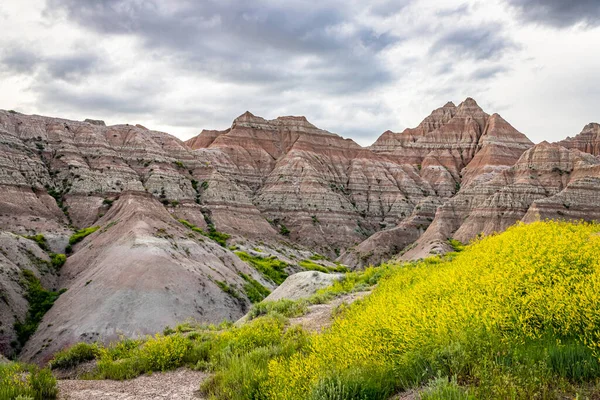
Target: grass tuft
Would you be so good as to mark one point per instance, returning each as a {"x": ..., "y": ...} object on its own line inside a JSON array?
[
  {"x": 270, "y": 267},
  {"x": 81, "y": 234}
]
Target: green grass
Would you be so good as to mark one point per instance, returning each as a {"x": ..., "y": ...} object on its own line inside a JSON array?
[
  {"x": 313, "y": 266},
  {"x": 270, "y": 267},
  {"x": 444, "y": 389},
  {"x": 40, "y": 301},
  {"x": 230, "y": 290},
  {"x": 27, "y": 381},
  {"x": 284, "y": 307},
  {"x": 254, "y": 290},
  {"x": 354, "y": 384},
  {"x": 456, "y": 245},
  {"x": 81, "y": 234},
  {"x": 40, "y": 240},
  {"x": 213, "y": 233}
]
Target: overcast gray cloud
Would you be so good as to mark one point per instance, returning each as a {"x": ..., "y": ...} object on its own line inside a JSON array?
[
  {"x": 352, "y": 67},
  {"x": 247, "y": 42},
  {"x": 559, "y": 13},
  {"x": 479, "y": 42}
]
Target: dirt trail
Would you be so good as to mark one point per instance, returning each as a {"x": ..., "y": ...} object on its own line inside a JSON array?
[
  {"x": 319, "y": 316},
  {"x": 182, "y": 384}
]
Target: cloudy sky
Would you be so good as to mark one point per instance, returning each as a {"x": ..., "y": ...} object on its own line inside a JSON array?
[{"x": 353, "y": 67}]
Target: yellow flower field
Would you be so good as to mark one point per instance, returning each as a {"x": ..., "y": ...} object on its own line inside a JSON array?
[{"x": 515, "y": 315}]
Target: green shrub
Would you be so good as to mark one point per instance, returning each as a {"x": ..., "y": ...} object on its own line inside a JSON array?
[
  {"x": 219, "y": 237},
  {"x": 40, "y": 240},
  {"x": 456, "y": 245},
  {"x": 130, "y": 358},
  {"x": 284, "y": 230},
  {"x": 58, "y": 260},
  {"x": 254, "y": 290},
  {"x": 162, "y": 353},
  {"x": 40, "y": 301},
  {"x": 27, "y": 382},
  {"x": 270, "y": 267},
  {"x": 75, "y": 355},
  {"x": 81, "y": 234}
]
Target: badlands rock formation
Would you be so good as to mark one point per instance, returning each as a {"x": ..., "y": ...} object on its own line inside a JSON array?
[
  {"x": 280, "y": 188},
  {"x": 587, "y": 141}
]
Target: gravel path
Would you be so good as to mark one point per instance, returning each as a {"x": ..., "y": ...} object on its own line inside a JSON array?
[{"x": 182, "y": 384}]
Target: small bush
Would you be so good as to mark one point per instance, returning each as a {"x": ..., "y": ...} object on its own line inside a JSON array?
[
  {"x": 58, "y": 260},
  {"x": 254, "y": 290},
  {"x": 40, "y": 240},
  {"x": 75, "y": 355},
  {"x": 81, "y": 234},
  {"x": 456, "y": 245},
  {"x": 40, "y": 301},
  {"x": 162, "y": 353},
  {"x": 284, "y": 230}
]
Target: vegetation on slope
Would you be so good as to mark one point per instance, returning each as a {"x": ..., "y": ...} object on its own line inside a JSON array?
[
  {"x": 40, "y": 301},
  {"x": 26, "y": 381},
  {"x": 79, "y": 236},
  {"x": 512, "y": 316},
  {"x": 270, "y": 267},
  {"x": 310, "y": 265},
  {"x": 238, "y": 357},
  {"x": 212, "y": 233},
  {"x": 253, "y": 289}
]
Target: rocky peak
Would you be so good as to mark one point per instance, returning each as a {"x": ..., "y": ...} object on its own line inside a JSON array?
[
  {"x": 204, "y": 139},
  {"x": 587, "y": 141}
]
